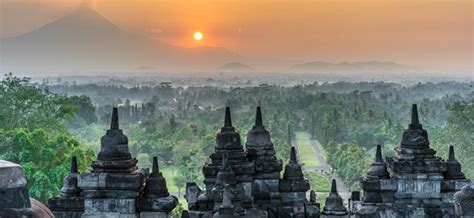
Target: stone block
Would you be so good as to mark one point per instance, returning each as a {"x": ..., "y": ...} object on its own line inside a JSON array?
[
  {"x": 69, "y": 204},
  {"x": 13, "y": 186},
  {"x": 464, "y": 201},
  {"x": 165, "y": 204},
  {"x": 119, "y": 194},
  {"x": 453, "y": 185},
  {"x": 312, "y": 210},
  {"x": 247, "y": 186},
  {"x": 156, "y": 215},
  {"x": 418, "y": 189},
  {"x": 108, "y": 215},
  {"x": 388, "y": 185},
  {"x": 200, "y": 214},
  {"x": 293, "y": 197},
  {"x": 11, "y": 175},
  {"x": 115, "y": 181},
  {"x": 266, "y": 185},
  {"x": 294, "y": 185},
  {"x": 67, "y": 214},
  {"x": 299, "y": 210},
  {"x": 107, "y": 205}
]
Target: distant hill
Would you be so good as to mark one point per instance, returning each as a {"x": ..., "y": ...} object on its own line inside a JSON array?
[
  {"x": 146, "y": 68},
  {"x": 85, "y": 40},
  {"x": 361, "y": 67},
  {"x": 235, "y": 67}
]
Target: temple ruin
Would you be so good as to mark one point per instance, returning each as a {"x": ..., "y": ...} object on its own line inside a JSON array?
[{"x": 250, "y": 182}]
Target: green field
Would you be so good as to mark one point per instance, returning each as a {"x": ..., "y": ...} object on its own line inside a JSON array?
[
  {"x": 305, "y": 150},
  {"x": 169, "y": 173},
  {"x": 320, "y": 184},
  {"x": 323, "y": 152}
]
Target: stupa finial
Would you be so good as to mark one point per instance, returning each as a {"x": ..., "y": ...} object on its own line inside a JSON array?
[
  {"x": 74, "y": 164},
  {"x": 378, "y": 154},
  {"x": 155, "y": 168},
  {"x": 114, "y": 124},
  {"x": 451, "y": 153},
  {"x": 258, "y": 117},
  {"x": 414, "y": 115},
  {"x": 293, "y": 155},
  {"x": 333, "y": 186},
  {"x": 227, "y": 119}
]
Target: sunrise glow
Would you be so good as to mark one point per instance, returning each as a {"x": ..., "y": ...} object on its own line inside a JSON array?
[{"x": 198, "y": 36}]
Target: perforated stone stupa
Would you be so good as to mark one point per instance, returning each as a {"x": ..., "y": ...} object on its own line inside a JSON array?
[
  {"x": 415, "y": 183},
  {"x": 115, "y": 187},
  {"x": 246, "y": 181}
]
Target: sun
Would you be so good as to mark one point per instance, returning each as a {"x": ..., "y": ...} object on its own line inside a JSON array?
[{"x": 198, "y": 36}]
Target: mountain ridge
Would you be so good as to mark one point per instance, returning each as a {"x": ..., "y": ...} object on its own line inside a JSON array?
[
  {"x": 86, "y": 40},
  {"x": 358, "y": 66},
  {"x": 235, "y": 66}
]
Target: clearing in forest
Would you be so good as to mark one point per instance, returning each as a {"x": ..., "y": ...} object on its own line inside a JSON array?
[{"x": 306, "y": 151}]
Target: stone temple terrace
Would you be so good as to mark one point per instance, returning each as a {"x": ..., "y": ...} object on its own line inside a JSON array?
[{"x": 249, "y": 181}]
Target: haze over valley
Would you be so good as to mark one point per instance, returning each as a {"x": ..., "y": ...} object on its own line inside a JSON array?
[
  {"x": 242, "y": 108},
  {"x": 83, "y": 41}
]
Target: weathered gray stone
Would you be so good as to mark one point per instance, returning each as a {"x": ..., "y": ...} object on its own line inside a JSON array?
[
  {"x": 13, "y": 186},
  {"x": 156, "y": 183},
  {"x": 419, "y": 184},
  {"x": 226, "y": 179},
  {"x": 115, "y": 187},
  {"x": 12, "y": 175},
  {"x": 464, "y": 201},
  {"x": 312, "y": 208},
  {"x": 116, "y": 181},
  {"x": 156, "y": 215},
  {"x": 67, "y": 207},
  {"x": 110, "y": 205},
  {"x": 453, "y": 167},
  {"x": 14, "y": 198},
  {"x": 70, "y": 202},
  {"x": 161, "y": 204},
  {"x": 266, "y": 185},
  {"x": 108, "y": 215},
  {"x": 228, "y": 142},
  {"x": 334, "y": 204},
  {"x": 378, "y": 168},
  {"x": 257, "y": 171}
]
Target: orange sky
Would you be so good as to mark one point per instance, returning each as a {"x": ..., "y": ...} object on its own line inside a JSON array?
[{"x": 433, "y": 34}]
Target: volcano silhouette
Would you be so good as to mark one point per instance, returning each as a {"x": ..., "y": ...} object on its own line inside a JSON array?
[{"x": 86, "y": 40}]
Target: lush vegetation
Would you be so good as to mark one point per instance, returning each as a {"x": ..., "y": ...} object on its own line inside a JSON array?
[
  {"x": 178, "y": 124},
  {"x": 349, "y": 119},
  {"x": 305, "y": 150},
  {"x": 32, "y": 133},
  {"x": 458, "y": 132},
  {"x": 320, "y": 184}
]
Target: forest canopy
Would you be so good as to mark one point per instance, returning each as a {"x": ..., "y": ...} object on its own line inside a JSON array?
[
  {"x": 33, "y": 134},
  {"x": 43, "y": 124}
]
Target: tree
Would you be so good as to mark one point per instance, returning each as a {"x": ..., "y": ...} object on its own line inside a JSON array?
[
  {"x": 27, "y": 106},
  {"x": 45, "y": 158},
  {"x": 459, "y": 133},
  {"x": 180, "y": 181},
  {"x": 85, "y": 109},
  {"x": 289, "y": 135},
  {"x": 32, "y": 134},
  {"x": 313, "y": 127}
]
